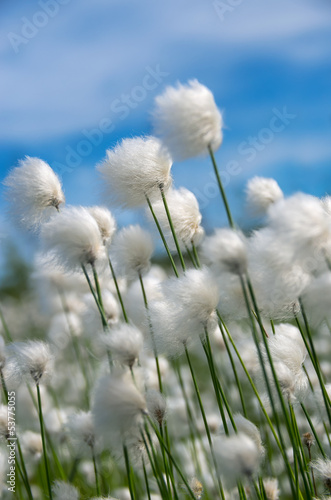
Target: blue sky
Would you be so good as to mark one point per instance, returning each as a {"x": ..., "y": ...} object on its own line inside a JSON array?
[{"x": 67, "y": 66}]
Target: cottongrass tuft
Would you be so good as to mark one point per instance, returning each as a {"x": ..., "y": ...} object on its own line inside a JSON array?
[
  {"x": 124, "y": 342},
  {"x": 132, "y": 250},
  {"x": 188, "y": 120},
  {"x": 33, "y": 192},
  {"x": 226, "y": 251},
  {"x": 64, "y": 491},
  {"x": 74, "y": 238},
  {"x": 134, "y": 169},
  {"x": 32, "y": 359},
  {"x": 118, "y": 405},
  {"x": 237, "y": 457},
  {"x": 322, "y": 470},
  {"x": 185, "y": 215},
  {"x": 105, "y": 221},
  {"x": 261, "y": 193}
]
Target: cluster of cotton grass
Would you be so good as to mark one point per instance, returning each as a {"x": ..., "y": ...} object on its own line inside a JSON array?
[{"x": 206, "y": 379}]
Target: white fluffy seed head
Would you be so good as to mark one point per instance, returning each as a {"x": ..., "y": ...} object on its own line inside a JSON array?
[
  {"x": 186, "y": 217},
  {"x": 226, "y": 251},
  {"x": 271, "y": 488},
  {"x": 118, "y": 405},
  {"x": 187, "y": 308},
  {"x": 247, "y": 427},
  {"x": 125, "y": 343},
  {"x": 132, "y": 249},
  {"x": 32, "y": 359},
  {"x": 157, "y": 406},
  {"x": 288, "y": 353},
  {"x": 134, "y": 169},
  {"x": 261, "y": 193},
  {"x": 32, "y": 445},
  {"x": 74, "y": 238},
  {"x": 188, "y": 120},
  {"x": 33, "y": 191},
  {"x": 105, "y": 221},
  {"x": 302, "y": 222},
  {"x": 81, "y": 430},
  {"x": 322, "y": 469},
  {"x": 64, "y": 491},
  {"x": 237, "y": 457}
]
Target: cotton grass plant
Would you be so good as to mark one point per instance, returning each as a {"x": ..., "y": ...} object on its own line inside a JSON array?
[{"x": 209, "y": 378}]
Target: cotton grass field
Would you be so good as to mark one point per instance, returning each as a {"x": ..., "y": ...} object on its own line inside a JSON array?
[{"x": 206, "y": 377}]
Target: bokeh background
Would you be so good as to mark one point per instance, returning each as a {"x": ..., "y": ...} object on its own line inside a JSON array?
[{"x": 78, "y": 75}]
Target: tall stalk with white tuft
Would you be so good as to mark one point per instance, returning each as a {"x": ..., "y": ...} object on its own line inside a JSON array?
[{"x": 190, "y": 124}]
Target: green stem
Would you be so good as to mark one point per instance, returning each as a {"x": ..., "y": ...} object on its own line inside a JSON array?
[
  {"x": 220, "y": 185},
  {"x": 128, "y": 472},
  {"x": 42, "y": 431},
  {"x": 97, "y": 486},
  {"x": 196, "y": 255},
  {"x": 119, "y": 295},
  {"x": 102, "y": 314},
  {"x": 162, "y": 443},
  {"x": 173, "y": 232},
  {"x": 204, "y": 418},
  {"x": 5, "y": 326},
  {"x": 162, "y": 237}
]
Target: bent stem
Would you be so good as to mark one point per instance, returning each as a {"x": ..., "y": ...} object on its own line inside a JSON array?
[
  {"x": 162, "y": 237},
  {"x": 42, "y": 431},
  {"x": 220, "y": 185},
  {"x": 119, "y": 295},
  {"x": 173, "y": 232}
]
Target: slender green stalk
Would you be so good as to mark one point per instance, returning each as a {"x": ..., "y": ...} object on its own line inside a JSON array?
[
  {"x": 196, "y": 255},
  {"x": 234, "y": 369},
  {"x": 279, "y": 440},
  {"x": 97, "y": 285},
  {"x": 158, "y": 370},
  {"x": 97, "y": 486},
  {"x": 220, "y": 185},
  {"x": 128, "y": 472},
  {"x": 42, "y": 431},
  {"x": 162, "y": 237},
  {"x": 313, "y": 430},
  {"x": 119, "y": 295},
  {"x": 102, "y": 314},
  {"x": 204, "y": 418},
  {"x": 146, "y": 480},
  {"x": 154, "y": 463},
  {"x": 173, "y": 232},
  {"x": 5, "y": 327},
  {"x": 162, "y": 443}
]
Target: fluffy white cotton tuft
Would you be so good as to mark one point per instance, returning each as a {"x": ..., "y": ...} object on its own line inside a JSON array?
[
  {"x": 81, "y": 431},
  {"x": 303, "y": 223},
  {"x": 124, "y": 342},
  {"x": 226, "y": 251},
  {"x": 188, "y": 120},
  {"x": 186, "y": 310},
  {"x": 132, "y": 249},
  {"x": 288, "y": 353},
  {"x": 64, "y": 491},
  {"x": 134, "y": 169},
  {"x": 33, "y": 191},
  {"x": 185, "y": 215},
  {"x": 118, "y": 405},
  {"x": 74, "y": 238},
  {"x": 32, "y": 359},
  {"x": 105, "y": 221},
  {"x": 237, "y": 457},
  {"x": 261, "y": 193}
]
